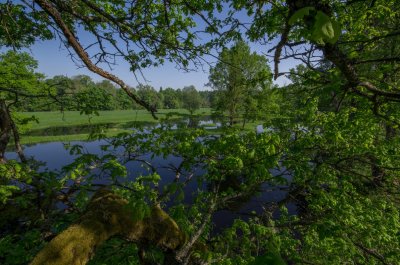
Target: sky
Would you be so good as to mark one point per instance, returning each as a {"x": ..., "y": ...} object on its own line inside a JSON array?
[{"x": 54, "y": 59}]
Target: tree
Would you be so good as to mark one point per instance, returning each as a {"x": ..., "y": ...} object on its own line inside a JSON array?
[
  {"x": 18, "y": 80},
  {"x": 21, "y": 28},
  {"x": 335, "y": 140},
  {"x": 191, "y": 99},
  {"x": 171, "y": 99},
  {"x": 237, "y": 77},
  {"x": 94, "y": 98},
  {"x": 206, "y": 98},
  {"x": 64, "y": 91},
  {"x": 342, "y": 107},
  {"x": 123, "y": 101},
  {"x": 148, "y": 94},
  {"x": 81, "y": 238},
  {"x": 142, "y": 33}
]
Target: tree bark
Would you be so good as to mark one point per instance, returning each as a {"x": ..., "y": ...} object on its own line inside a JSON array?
[
  {"x": 17, "y": 142},
  {"x": 5, "y": 129},
  {"x": 107, "y": 216},
  {"x": 73, "y": 41}
]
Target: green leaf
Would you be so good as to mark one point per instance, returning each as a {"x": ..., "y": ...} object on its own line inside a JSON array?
[
  {"x": 299, "y": 14},
  {"x": 337, "y": 30},
  {"x": 325, "y": 29}
]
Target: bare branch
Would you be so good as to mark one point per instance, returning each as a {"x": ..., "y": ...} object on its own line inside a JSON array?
[{"x": 73, "y": 41}]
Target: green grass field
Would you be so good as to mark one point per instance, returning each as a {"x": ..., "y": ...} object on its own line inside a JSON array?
[
  {"x": 117, "y": 121},
  {"x": 74, "y": 118},
  {"x": 72, "y": 126}
]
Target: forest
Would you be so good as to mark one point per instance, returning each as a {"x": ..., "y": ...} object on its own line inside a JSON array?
[
  {"x": 319, "y": 184},
  {"x": 80, "y": 92}
]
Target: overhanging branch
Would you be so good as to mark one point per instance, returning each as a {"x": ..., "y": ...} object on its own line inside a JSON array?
[{"x": 80, "y": 51}]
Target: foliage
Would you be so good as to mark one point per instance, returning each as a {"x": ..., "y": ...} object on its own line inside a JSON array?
[
  {"x": 116, "y": 251},
  {"x": 150, "y": 95},
  {"x": 331, "y": 146},
  {"x": 81, "y": 93},
  {"x": 20, "y": 249},
  {"x": 20, "y": 28},
  {"x": 143, "y": 34},
  {"x": 239, "y": 78},
  {"x": 171, "y": 98},
  {"x": 191, "y": 99},
  {"x": 18, "y": 77},
  {"x": 324, "y": 29}
]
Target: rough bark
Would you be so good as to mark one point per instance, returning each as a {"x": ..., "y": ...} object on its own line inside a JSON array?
[{"x": 107, "y": 216}]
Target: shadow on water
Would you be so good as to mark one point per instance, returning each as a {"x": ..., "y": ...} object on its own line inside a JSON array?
[
  {"x": 138, "y": 124},
  {"x": 179, "y": 121},
  {"x": 68, "y": 130},
  {"x": 86, "y": 128},
  {"x": 254, "y": 202},
  {"x": 56, "y": 156}
]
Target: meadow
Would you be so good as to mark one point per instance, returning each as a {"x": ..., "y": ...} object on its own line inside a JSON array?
[
  {"x": 74, "y": 118},
  {"x": 72, "y": 125}
]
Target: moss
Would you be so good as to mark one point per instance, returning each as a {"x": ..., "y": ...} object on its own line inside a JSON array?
[
  {"x": 106, "y": 216},
  {"x": 73, "y": 246},
  {"x": 164, "y": 231}
]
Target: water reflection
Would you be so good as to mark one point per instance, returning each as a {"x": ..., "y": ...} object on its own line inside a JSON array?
[{"x": 56, "y": 156}]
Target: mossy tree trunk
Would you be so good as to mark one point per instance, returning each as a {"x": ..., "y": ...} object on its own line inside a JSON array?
[{"x": 107, "y": 216}]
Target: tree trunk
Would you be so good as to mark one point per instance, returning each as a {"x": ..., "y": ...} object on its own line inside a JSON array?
[
  {"x": 18, "y": 146},
  {"x": 231, "y": 117},
  {"x": 7, "y": 126},
  {"x": 5, "y": 129},
  {"x": 107, "y": 216}
]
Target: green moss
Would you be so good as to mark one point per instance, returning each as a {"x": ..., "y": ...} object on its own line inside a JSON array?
[{"x": 106, "y": 216}]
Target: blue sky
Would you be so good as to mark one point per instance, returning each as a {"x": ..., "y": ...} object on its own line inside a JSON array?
[{"x": 54, "y": 59}]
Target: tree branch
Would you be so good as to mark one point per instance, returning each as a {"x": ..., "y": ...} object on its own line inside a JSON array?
[{"x": 73, "y": 41}]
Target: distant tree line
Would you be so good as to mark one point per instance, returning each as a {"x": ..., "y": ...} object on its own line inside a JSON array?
[
  {"x": 84, "y": 94},
  {"x": 241, "y": 89}
]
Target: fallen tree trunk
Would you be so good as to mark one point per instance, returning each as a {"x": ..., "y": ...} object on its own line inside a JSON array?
[{"x": 107, "y": 216}]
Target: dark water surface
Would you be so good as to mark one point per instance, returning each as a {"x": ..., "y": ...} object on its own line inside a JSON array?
[{"x": 55, "y": 155}]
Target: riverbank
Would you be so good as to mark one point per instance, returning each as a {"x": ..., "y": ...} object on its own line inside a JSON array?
[
  {"x": 72, "y": 126},
  {"x": 74, "y": 118}
]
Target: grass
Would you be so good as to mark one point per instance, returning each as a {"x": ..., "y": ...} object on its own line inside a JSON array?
[
  {"x": 29, "y": 139},
  {"x": 74, "y": 118},
  {"x": 72, "y": 126},
  {"x": 118, "y": 121}
]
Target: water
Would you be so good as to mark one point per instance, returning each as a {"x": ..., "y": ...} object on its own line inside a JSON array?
[
  {"x": 55, "y": 156},
  {"x": 210, "y": 124}
]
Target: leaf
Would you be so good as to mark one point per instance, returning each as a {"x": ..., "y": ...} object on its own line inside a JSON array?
[
  {"x": 325, "y": 29},
  {"x": 299, "y": 14},
  {"x": 6, "y": 191},
  {"x": 337, "y": 30}
]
